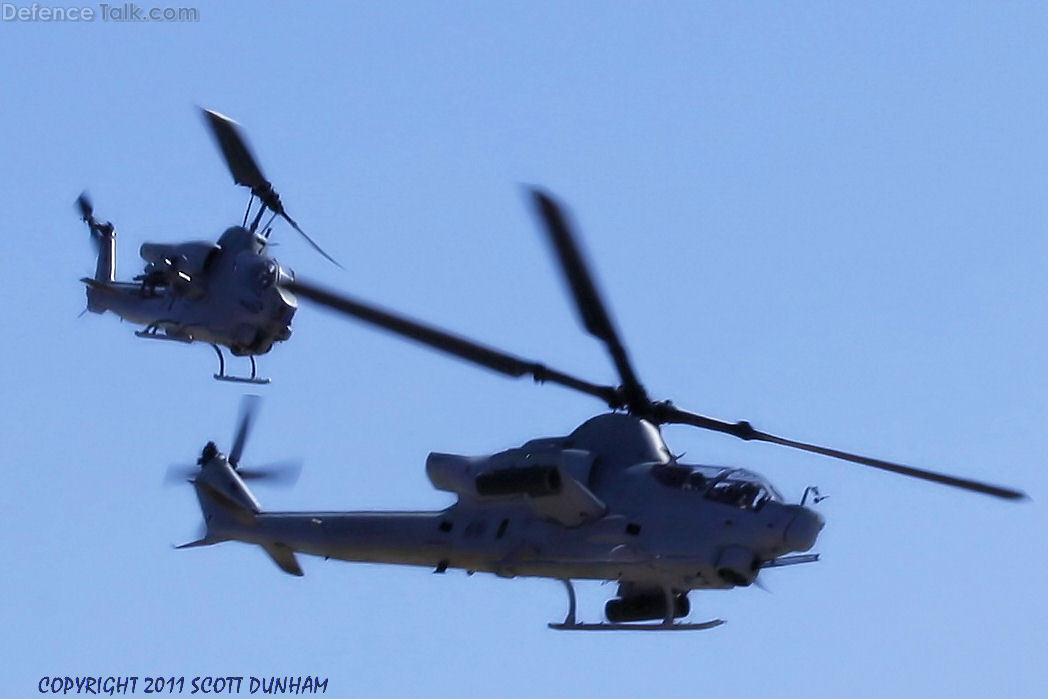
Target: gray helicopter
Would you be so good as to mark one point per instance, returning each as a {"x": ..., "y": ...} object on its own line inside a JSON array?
[
  {"x": 608, "y": 502},
  {"x": 227, "y": 293}
]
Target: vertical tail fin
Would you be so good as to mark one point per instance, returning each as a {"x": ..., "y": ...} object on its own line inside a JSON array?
[
  {"x": 105, "y": 268},
  {"x": 104, "y": 237},
  {"x": 226, "y": 503}
]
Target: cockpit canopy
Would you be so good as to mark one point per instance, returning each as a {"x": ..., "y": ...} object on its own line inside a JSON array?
[
  {"x": 731, "y": 486},
  {"x": 237, "y": 239}
]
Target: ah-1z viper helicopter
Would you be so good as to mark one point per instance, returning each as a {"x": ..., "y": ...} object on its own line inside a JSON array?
[
  {"x": 227, "y": 293},
  {"x": 609, "y": 501}
]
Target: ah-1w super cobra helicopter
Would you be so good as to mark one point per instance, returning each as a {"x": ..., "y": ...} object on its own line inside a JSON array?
[
  {"x": 609, "y": 501},
  {"x": 226, "y": 293}
]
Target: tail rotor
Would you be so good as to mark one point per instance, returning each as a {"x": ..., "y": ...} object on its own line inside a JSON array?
[
  {"x": 279, "y": 473},
  {"x": 105, "y": 240},
  {"x": 99, "y": 231}
]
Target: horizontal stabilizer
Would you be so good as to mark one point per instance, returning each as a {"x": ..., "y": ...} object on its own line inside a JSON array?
[
  {"x": 284, "y": 557},
  {"x": 95, "y": 284}
]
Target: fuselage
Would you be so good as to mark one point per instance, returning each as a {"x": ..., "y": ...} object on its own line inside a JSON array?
[
  {"x": 660, "y": 523},
  {"x": 224, "y": 293}
]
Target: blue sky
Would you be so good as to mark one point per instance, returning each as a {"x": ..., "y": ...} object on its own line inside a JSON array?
[{"x": 828, "y": 220}]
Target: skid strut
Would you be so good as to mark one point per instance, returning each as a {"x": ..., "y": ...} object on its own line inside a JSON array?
[
  {"x": 221, "y": 375},
  {"x": 667, "y": 624},
  {"x": 152, "y": 332}
]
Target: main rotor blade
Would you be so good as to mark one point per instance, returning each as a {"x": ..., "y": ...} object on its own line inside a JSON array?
[
  {"x": 241, "y": 162},
  {"x": 444, "y": 341},
  {"x": 591, "y": 307},
  {"x": 744, "y": 430},
  {"x": 244, "y": 167},
  {"x": 248, "y": 408},
  {"x": 309, "y": 240}
]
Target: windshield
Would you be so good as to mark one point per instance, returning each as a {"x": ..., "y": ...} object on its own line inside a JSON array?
[
  {"x": 742, "y": 494},
  {"x": 736, "y": 487},
  {"x": 266, "y": 275},
  {"x": 682, "y": 477}
]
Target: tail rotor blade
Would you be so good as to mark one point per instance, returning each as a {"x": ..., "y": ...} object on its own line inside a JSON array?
[
  {"x": 99, "y": 231},
  {"x": 281, "y": 473},
  {"x": 83, "y": 204},
  {"x": 179, "y": 473},
  {"x": 248, "y": 409}
]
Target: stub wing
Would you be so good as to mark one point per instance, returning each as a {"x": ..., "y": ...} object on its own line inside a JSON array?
[{"x": 572, "y": 506}]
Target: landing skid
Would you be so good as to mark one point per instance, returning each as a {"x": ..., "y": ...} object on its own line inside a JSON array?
[
  {"x": 667, "y": 624},
  {"x": 221, "y": 375},
  {"x": 661, "y": 626}
]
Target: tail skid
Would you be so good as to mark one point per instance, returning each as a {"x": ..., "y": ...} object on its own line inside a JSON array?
[{"x": 206, "y": 541}]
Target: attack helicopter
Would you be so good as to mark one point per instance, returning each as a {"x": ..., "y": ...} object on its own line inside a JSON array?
[
  {"x": 609, "y": 501},
  {"x": 227, "y": 293}
]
